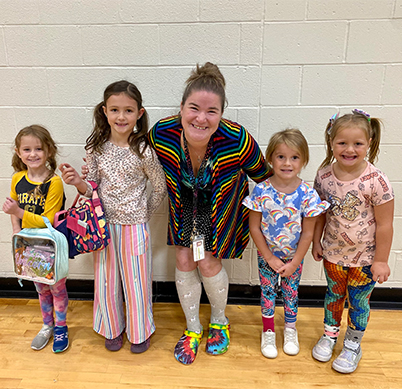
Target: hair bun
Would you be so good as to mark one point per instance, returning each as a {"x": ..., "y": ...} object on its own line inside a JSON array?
[
  {"x": 208, "y": 70},
  {"x": 206, "y": 77}
]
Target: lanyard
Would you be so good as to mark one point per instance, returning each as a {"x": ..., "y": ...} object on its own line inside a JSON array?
[{"x": 194, "y": 180}]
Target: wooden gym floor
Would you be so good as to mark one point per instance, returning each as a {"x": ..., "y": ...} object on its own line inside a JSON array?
[{"x": 87, "y": 364}]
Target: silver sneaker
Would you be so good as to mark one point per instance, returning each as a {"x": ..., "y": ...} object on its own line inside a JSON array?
[
  {"x": 290, "y": 342},
  {"x": 347, "y": 361},
  {"x": 268, "y": 344},
  {"x": 40, "y": 340},
  {"x": 322, "y": 351}
]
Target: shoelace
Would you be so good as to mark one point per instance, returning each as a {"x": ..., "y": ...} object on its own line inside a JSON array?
[
  {"x": 58, "y": 337},
  {"x": 290, "y": 336},
  {"x": 269, "y": 339}
]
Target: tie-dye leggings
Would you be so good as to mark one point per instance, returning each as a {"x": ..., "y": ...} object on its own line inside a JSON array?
[
  {"x": 53, "y": 297},
  {"x": 289, "y": 286},
  {"x": 355, "y": 283},
  {"x": 125, "y": 266}
]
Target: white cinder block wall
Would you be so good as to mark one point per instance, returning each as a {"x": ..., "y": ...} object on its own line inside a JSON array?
[{"x": 286, "y": 63}]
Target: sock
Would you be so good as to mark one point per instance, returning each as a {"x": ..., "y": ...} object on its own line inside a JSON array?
[
  {"x": 290, "y": 319},
  {"x": 290, "y": 325},
  {"x": 216, "y": 288},
  {"x": 331, "y": 332},
  {"x": 268, "y": 323},
  {"x": 353, "y": 339},
  {"x": 188, "y": 287}
]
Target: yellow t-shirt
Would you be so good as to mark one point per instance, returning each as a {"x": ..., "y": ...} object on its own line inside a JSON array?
[{"x": 47, "y": 204}]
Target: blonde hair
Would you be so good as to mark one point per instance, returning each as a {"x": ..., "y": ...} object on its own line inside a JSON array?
[
  {"x": 370, "y": 126},
  {"x": 292, "y": 138},
  {"x": 208, "y": 78},
  {"x": 48, "y": 145}
]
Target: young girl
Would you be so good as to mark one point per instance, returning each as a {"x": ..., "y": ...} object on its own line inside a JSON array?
[
  {"x": 357, "y": 231},
  {"x": 121, "y": 162},
  {"x": 282, "y": 218},
  {"x": 37, "y": 191}
]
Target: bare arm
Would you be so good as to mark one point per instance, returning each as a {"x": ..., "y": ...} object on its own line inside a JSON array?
[
  {"x": 16, "y": 224},
  {"x": 384, "y": 215},
  {"x": 304, "y": 243},
  {"x": 259, "y": 240},
  {"x": 154, "y": 171},
  {"x": 318, "y": 230}
]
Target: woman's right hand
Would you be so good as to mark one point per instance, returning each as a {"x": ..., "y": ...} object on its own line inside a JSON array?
[{"x": 317, "y": 252}]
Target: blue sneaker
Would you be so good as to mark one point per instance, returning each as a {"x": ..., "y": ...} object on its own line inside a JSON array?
[{"x": 60, "y": 339}]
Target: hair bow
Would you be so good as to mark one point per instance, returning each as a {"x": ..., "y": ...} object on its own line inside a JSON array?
[
  {"x": 361, "y": 112},
  {"x": 332, "y": 121}
]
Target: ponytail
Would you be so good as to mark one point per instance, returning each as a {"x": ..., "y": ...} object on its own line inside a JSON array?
[
  {"x": 374, "y": 149},
  {"x": 101, "y": 131},
  {"x": 328, "y": 149}
]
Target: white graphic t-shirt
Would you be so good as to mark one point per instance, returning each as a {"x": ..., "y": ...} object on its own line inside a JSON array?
[{"x": 282, "y": 214}]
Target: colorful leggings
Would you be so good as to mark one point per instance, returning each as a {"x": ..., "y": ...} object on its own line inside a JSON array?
[
  {"x": 355, "y": 283},
  {"x": 125, "y": 266},
  {"x": 53, "y": 297},
  {"x": 289, "y": 286}
]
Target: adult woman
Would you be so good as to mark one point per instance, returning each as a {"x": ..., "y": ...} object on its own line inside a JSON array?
[{"x": 205, "y": 159}]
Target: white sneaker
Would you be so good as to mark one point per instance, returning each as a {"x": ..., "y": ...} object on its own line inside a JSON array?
[
  {"x": 347, "y": 361},
  {"x": 322, "y": 351},
  {"x": 290, "y": 342},
  {"x": 41, "y": 340},
  {"x": 268, "y": 344}
]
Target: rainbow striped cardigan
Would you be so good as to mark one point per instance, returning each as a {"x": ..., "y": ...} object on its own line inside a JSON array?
[{"x": 235, "y": 155}]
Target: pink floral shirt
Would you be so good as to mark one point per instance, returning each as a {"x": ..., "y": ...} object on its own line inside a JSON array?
[
  {"x": 122, "y": 179},
  {"x": 349, "y": 235}
]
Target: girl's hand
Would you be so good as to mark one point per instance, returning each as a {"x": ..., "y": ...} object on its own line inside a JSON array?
[
  {"x": 287, "y": 269},
  {"x": 10, "y": 206},
  {"x": 274, "y": 262},
  {"x": 69, "y": 175},
  {"x": 84, "y": 170},
  {"x": 380, "y": 271},
  {"x": 317, "y": 252}
]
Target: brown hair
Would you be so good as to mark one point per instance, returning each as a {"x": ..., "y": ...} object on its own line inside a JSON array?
[
  {"x": 292, "y": 138},
  {"x": 208, "y": 78},
  {"x": 48, "y": 145},
  {"x": 101, "y": 131},
  {"x": 370, "y": 126}
]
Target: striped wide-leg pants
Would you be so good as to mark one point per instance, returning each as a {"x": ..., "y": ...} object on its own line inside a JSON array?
[{"x": 125, "y": 266}]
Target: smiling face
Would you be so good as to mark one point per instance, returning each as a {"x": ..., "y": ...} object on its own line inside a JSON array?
[
  {"x": 286, "y": 163},
  {"x": 122, "y": 114},
  {"x": 349, "y": 147},
  {"x": 200, "y": 116},
  {"x": 32, "y": 153}
]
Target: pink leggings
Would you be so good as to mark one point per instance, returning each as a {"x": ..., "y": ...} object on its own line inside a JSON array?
[{"x": 53, "y": 297}]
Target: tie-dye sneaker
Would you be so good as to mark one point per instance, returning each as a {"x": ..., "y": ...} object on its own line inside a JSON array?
[
  {"x": 218, "y": 339},
  {"x": 187, "y": 347}
]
